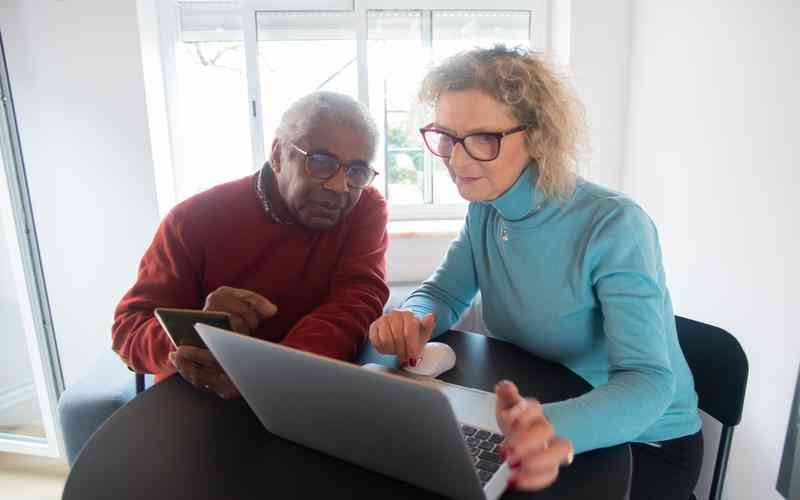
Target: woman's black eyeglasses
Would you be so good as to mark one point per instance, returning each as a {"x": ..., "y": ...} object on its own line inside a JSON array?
[
  {"x": 482, "y": 146},
  {"x": 324, "y": 166}
]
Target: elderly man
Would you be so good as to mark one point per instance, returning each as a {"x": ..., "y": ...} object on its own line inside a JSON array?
[{"x": 294, "y": 254}]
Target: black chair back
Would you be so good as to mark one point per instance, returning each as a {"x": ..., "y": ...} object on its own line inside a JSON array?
[{"x": 719, "y": 366}]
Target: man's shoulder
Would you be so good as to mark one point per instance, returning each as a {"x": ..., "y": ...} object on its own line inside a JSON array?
[{"x": 220, "y": 200}]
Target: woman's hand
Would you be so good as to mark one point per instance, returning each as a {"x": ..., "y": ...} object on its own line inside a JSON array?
[
  {"x": 402, "y": 334},
  {"x": 532, "y": 450}
]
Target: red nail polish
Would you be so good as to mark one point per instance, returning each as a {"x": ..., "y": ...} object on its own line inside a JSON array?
[
  {"x": 503, "y": 454},
  {"x": 413, "y": 362},
  {"x": 512, "y": 483},
  {"x": 516, "y": 465}
]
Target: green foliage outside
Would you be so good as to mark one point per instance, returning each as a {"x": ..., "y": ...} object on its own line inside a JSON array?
[{"x": 405, "y": 167}]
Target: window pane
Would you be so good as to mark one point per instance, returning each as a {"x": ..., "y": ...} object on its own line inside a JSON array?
[
  {"x": 299, "y": 53},
  {"x": 405, "y": 163},
  {"x": 454, "y": 31},
  {"x": 396, "y": 59},
  {"x": 213, "y": 108}
]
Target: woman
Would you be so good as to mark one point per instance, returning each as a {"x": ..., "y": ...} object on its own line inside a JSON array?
[{"x": 568, "y": 270}]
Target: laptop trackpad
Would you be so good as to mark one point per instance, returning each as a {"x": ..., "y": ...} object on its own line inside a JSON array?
[{"x": 471, "y": 406}]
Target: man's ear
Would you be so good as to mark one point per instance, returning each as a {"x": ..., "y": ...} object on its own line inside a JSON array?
[{"x": 275, "y": 156}]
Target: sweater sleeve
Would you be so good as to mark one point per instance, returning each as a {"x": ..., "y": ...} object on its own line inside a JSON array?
[
  {"x": 451, "y": 288},
  {"x": 168, "y": 276},
  {"x": 338, "y": 327},
  {"x": 626, "y": 272}
]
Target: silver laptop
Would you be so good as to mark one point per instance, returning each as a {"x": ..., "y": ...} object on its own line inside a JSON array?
[{"x": 400, "y": 426}]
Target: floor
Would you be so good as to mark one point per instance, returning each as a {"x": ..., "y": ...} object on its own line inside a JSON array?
[{"x": 24, "y": 477}]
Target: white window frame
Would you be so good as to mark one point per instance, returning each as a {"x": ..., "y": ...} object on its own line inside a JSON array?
[
  {"x": 541, "y": 13},
  {"x": 18, "y": 230}
]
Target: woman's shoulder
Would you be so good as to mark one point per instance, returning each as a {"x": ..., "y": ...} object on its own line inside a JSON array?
[
  {"x": 590, "y": 195},
  {"x": 609, "y": 208}
]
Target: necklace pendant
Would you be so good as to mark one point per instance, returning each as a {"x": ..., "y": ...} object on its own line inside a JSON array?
[{"x": 504, "y": 234}]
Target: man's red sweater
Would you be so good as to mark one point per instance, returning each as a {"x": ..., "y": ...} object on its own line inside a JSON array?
[{"x": 328, "y": 285}]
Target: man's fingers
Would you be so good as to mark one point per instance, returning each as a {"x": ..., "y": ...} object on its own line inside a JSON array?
[
  {"x": 224, "y": 387},
  {"x": 187, "y": 368},
  {"x": 199, "y": 356},
  {"x": 257, "y": 302},
  {"x": 243, "y": 311},
  {"x": 239, "y": 325},
  {"x": 242, "y": 315},
  {"x": 206, "y": 378},
  {"x": 251, "y": 307}
]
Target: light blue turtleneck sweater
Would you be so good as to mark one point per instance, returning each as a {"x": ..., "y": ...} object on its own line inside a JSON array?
[{"x": 580, "y": 283}]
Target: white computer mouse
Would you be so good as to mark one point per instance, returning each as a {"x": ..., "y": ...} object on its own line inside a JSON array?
[{"x": 436, "y": 359}]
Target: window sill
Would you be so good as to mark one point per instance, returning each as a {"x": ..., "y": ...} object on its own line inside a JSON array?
[{"x": 424, "y": 229}]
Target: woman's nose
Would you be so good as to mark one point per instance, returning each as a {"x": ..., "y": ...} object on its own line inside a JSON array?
[{"x": 458, "y": 156}]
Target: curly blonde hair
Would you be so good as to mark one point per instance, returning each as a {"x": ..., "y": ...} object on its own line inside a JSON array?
[{"x": 535, "y": 94}]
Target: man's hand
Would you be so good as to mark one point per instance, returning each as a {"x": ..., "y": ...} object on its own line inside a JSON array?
[
  {"x": 402, "y": 334},
  {"x": 246, "y": 309},
  {"x": 533, "y": 451},
  {"x": 198, "y": 367}
]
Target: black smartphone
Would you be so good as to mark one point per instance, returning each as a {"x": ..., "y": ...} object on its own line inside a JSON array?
[{"x": 179, "y": 324}]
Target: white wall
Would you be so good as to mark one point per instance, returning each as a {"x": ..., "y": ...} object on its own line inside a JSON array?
[
  {"x": 76, "y": 75},
  {"x": 713, "y": 157},
  {"x": 599, "y": 61}
]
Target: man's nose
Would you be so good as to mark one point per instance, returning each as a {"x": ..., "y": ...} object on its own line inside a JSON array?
[{"x": 338, "y": 182}]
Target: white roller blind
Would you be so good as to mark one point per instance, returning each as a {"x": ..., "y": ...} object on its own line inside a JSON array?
[
  {"x": 298, "y": 26},
  {"x": 210, "y": 21},
  {"x": 394, "y": 25},
  {"x": 481, "y": 25}
]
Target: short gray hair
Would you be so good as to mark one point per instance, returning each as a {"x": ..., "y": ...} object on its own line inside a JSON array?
[{"x": 341, "y": 108}]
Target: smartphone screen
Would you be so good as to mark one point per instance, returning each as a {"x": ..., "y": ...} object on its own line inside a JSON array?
[{"x": 179, "y": 324}]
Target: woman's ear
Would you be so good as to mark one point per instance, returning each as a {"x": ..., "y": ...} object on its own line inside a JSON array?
[{"x": 275, "y": 156}]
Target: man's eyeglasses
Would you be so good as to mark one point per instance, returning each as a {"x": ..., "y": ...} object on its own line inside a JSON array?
[
  {"x": 324, "y": 166},
  {"x": 482, "y": 146}
]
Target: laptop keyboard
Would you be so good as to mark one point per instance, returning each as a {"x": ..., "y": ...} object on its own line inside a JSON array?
[{"x": 485, "y": 450}]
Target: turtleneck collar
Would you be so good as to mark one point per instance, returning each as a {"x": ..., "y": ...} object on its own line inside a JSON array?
[{"x": 522, "y": 198}]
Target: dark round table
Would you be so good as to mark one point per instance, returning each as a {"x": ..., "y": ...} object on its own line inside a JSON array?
[{"x": 176, "y": 442}]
